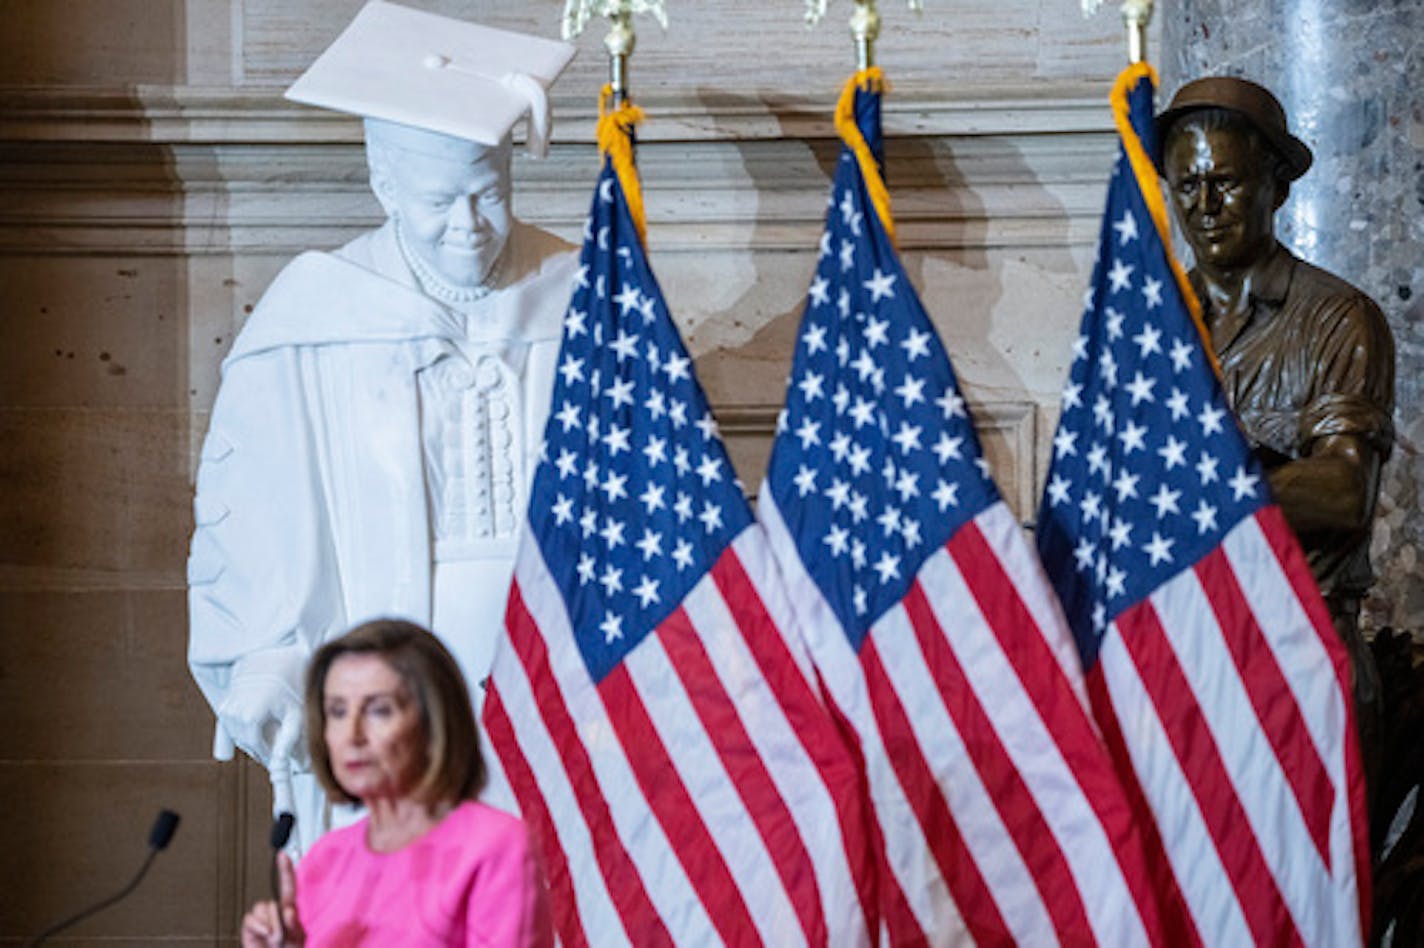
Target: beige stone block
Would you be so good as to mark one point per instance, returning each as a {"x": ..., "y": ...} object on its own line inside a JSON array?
[
  {"x": 198, "y": 423},
  {"x": 208, "y": 26},
  {"x": 752, "y": 374},
  {"x": 1047, "y": 427},
  {"x": 74, "y": 833},
  {"x": 748, "y": 432},
  {"x": 94, "y": 331},
  {"x": 94, "y": 498},
  {"x": 1006, "y": 436},
  {"x": 223, "y": 291},
  {"x": 93, "y": 42},
  {"x": 98, "y": 675},
  {"x": 1007, "y": 318},
  {"x": 1069, "y": 48},
  {"x": 254, "y": 857}
]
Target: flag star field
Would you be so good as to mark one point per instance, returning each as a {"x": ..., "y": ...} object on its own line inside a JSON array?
[
  {"x": 883, "y": 464},
  {"x": 638, "y": 497},
  {"x": 1149, "y": 471}
]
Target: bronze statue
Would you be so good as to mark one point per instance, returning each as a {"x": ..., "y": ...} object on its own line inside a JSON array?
[{"x": 1306, "y": 358}]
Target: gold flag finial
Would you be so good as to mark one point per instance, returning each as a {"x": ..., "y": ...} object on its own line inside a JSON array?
[
  {"x": 1136, "y": 14},
  {"x": 864, "y": 26},
  {"x": 621, "y": 36}
]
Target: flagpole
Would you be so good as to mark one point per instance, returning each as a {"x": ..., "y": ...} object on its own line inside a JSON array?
[
  {"x": 621, "y": 36},
  {"x": 865, "y": 27},
  {"x": 1136, "y": 14},
  {"x": 620, "y": 42}
]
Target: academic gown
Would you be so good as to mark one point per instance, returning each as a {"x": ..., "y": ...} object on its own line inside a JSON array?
[{"x": 312, "y": 509}]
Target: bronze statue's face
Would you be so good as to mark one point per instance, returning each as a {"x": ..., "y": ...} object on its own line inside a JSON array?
[{"x": 1224, "y": 192}]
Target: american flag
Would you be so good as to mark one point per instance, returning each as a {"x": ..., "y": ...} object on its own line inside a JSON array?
[
  {"x": 651, "y": 707},
  {"x": 997, "y": 813},
  {"x": 1212, "y": 665}
]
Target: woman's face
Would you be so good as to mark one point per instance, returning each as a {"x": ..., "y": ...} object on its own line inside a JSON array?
[
  {"x": 374, "y": 734},
  {"x": 455, "y": 211}
]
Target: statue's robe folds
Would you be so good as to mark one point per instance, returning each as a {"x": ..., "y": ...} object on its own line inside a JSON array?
[{"x": 315, "y": 507}]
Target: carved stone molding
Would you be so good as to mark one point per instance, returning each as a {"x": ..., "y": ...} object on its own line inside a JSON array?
[
  {"x": 169, "y": 114},
  {"x": 950, "y": 192}
]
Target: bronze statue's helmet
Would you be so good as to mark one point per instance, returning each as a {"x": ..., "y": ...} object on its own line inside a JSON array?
[{"x": 1252, "y": 102}]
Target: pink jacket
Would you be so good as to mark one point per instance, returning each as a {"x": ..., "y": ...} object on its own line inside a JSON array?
[{"x": 472, "y": 880}]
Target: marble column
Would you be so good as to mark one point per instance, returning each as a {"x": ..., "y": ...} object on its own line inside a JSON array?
[{"x": 1347, "y": 73}]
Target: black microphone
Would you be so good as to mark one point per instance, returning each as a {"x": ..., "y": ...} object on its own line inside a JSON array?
[
  {"x": 163, "y": 829},
  {"x": 282, "y": 829},
  {"x": 281, "y": 832},
  {"x": 158, "y": 839}
]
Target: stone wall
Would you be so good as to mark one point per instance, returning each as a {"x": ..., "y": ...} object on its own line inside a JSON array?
[{"x": 152, "y": 181}]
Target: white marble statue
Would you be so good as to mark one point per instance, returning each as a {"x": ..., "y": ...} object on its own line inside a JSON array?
[
  {"x": 374, "y": 436},
  {"x": 372, "y": 443}
]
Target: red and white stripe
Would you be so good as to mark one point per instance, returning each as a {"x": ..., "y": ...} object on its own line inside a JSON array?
[
  {"x": 1227, "y": 692},
  {"x": 1001, "y": 818},
  {"x": 699, "y": 793}
]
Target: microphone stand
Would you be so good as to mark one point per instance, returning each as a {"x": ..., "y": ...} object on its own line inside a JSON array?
[{"x": 159, "y": 836}]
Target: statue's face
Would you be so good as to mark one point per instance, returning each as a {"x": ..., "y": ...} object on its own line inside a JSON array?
[
  {"x": 454, "y": 210},
  {"x": 1224, "y": 192}
]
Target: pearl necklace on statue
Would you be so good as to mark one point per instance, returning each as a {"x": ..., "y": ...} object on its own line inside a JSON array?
[{"x": 436, "y": 286}]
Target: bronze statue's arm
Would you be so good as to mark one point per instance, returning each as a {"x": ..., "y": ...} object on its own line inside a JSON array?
[
  {"x": 1332, "y": 488},
  {"x": 1344, "y": 432}
]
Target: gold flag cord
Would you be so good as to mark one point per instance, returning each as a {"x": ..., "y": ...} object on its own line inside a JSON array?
[
  {"x": 615, "y": 139},
  {"x": 1150, "y": 185},
  {"x": 870, "y": 80}
]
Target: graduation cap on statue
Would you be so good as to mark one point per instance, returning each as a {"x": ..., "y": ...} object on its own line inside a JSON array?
[{"x": 437, "y": 73}]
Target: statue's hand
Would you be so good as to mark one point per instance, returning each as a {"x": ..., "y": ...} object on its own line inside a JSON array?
[{"x": 262, "y": 711}]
